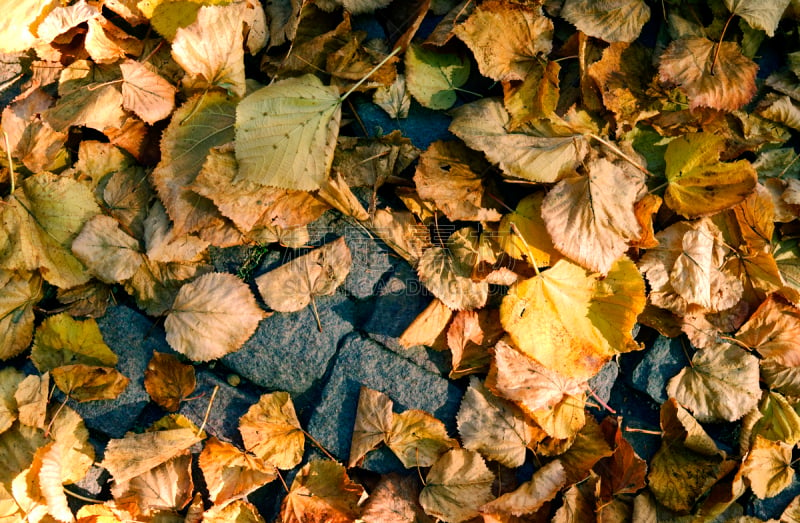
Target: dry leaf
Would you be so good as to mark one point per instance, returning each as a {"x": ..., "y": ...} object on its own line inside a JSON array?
[
  {"x": 321, "y": 491},
  {"x": 373, "y": 423},
  {"x": 230, "y": 473},
  {"x": 767, "y": 468},
  {"x": 609, "y": 20},
  {"x": 428, "y": 328},
  {"x": 21, "y": 291},
  {"x": 531, "y": 495},
  {"x": 394, "y": 500},
  {"x": 145, "y": 92},
  {"x": 774, "y": 331},
  {"x": 166, "y": 487},
  {"x": 168, "y": 381},
  {"x": 456, "y": 485},
  {"x": 136, "y": 454},
  {"x": 417, "y": 438},
  {"x": 106, "y": 250},
  {"x": 89, "y": 383},
  {"x": 271, "y": 431},
  {"x": 433, "y": 77}
]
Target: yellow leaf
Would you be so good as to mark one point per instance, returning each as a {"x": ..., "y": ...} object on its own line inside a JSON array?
[
  {"x": 321, "y": 491},
  {"x": 230, "y": 473},
  {"x": 21, "y": 291},
  {"x": 31, "y": 399},
  {"x": 428, "y": 328},
  {"x": 456, "y": 485},
  {"x": 531, "y": 495},
  {"x": 62, "y": 340},
  {"x": 19, "y": 22},
  {"x": 135, "y": 454},
  {"x": 167, "y": 486},
  {"x": 610, "y": 20},
  {"x": 767, "y": 468},
  {"x": 773, "y": 331},
  {"x": 573, "y": 321},
  {"x": 89, "y": 383},
  {"x": 270, "y": 430},
  {"x": 532, "y": 243},
  {"x": 236, "y": 512},
  {"x": 373, "y": 423},
  {"x": 212, "y": 316},
  {"x": 699, "y": 184},
  {"x": 417, "y": 438}
]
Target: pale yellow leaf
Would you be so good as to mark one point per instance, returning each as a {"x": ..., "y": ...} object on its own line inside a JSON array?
[
  {"x": 270, "y": 430},
  {"x": 145, "y": 92}
]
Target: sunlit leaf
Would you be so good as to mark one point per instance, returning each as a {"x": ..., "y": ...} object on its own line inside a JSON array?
[
  {"x": 321, "y": 491},
  {"x": 270, "y": 430},
  {"x": 212, "y": 316},
  {"x": 773, "y": 331},
  {"x": 21, "y": 291},
  {"x": 167, "y": 486},
  {"x": 432, "y": 76},
  {"x": 531, "y": 495},
  {"x": 19, "y": 23},
  {"x": 373, "y": 423},
  {"x": 778, "y": 420},
  {"x": 88, "y": 383},
  {"x": 456, "y": 485},
  {"x": 135, "y": 454},
  {"x": 238, "y": 511},
  {"x": 417, "y": 438},
  {"x": 62, "y": 340},
  {"x": 30, "y": 399},
  {"x": 767, "y": 469},
  {"x": 445, "y": 275},
  {"x": 609, "y": 20},
  {"x": 286, "y": 133},
  {"x": 145, "y": 92},
  {"x": 429, "y": 327},
  {"x": 230, "y": 473},
  {"x": 470, "y": 336},
  {"x": 763, "y": 15},
  {"x": 107, "y": 251},
  {"x": 394, "y": 500}
]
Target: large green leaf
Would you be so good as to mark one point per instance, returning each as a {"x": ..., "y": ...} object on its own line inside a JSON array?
[{"x": 286, "y": 133}]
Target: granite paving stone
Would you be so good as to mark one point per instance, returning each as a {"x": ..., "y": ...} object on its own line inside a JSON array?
[
  {"x": 364, "y": 362},
  {"x": 288, "y": 352},
  {"x": 133, "y": 338},
  {"x": 660, "y": 363}
]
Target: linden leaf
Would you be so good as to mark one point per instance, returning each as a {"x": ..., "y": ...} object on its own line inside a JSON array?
[
  {"x": 774, "y": 331},
  {"x": 167, "y": 486},
  {"x": 270, "y": 430},
  {"x": 452, "y": 176},
  {"x": 394, "y": 500},
  {"x": 456, "y": 485},
  {"x": 30, "y": 400},
  {"x": 531, "y": 495},
  {"x": 135, "y": 454},
  {"x": 168, "y": 381},
  {"x": 89, "y": 383},
  {"x": 10, "y": 378},
  {"x": 19, "y": 22},
  {"x": 609, "y": 20},
  {"x": 107, "y": 251},
  {"x": 720, "y": 384},
  {"x": 286, "y": 133},
  {"x": 624, "y": 471},
  {"x": 417, "y": 438},
  {"x": 238, "y": 511},
  {"x": 588, "y": 447},
  {"x": 373, "y": 423},
  {"x": 212, "y": 316},
  {"x": 50, "y": 480},
  {"x": 528, "y": 153},
  {"x": 780, "y": 377},
  {"x": 758, "y": 13},
  {"x": 531, "y": 241},
  {"x": 727, "y": 86},
  {"x": 145, "y": 92},
  {"x": 767, "y": 468},
  {"x": 699, "y": 184},
  {"x": 470, "y": 336},
  {"x": 449, "y": 277},
  {"x": 492, "y": 426},
  {"x": 40, "y": 220},
  {"x": 61, "y": 340},
  {"x": 779, "y": 421},
  {"x": 70, "y": 433},
  {"x": 321, "y": 491},
  {"x": 591, "y": 218},
  {"x": 230, "y": 473},
  {"x": 433, "y": 77},
  {"x": 21, "y": 291},
  {"x": 429, "y": 327},
  {"x": 527, "y": 34},
  {"x": 292, "y": 286},
  {"x": 211, "y": 49},
  {"x": 572, "y": 321}
]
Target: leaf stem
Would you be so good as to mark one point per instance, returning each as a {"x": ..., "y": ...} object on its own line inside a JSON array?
[
  {"x": 283, "y": 481},
  {"x": 620, "y": 153},
  {"x": 719, "y": 45},
  {"x": 208, "y": 410},
  {"x": 315, "y": 313},
  {"x": 10, "y": 161},
  {"x": 531, "y": 258},
  {"x": 643, "y": 431},
  {"x": 601, "y": 402},
  {"x": 75, "y": 495},
  {"x": 366, "y": 77}
]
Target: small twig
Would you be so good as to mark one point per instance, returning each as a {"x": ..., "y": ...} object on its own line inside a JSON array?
[
  {"x": 601, "y": 402},
  {"x": 10, "y": 161},
  {"x": 531, "y": 257},
  {"x": 55, "y": 415},
  {"x": 643, "y": 431},
  {"x": 315, "y": 313},
  {"x": 208, "y": 410},
  {"x": 358, "y": 118}
]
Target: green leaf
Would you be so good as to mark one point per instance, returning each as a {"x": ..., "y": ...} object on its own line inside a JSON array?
[
  {"x": 61, "y": 340},
  {"x": 286, "y": 133},
  {"x": 433, "y": 77}
]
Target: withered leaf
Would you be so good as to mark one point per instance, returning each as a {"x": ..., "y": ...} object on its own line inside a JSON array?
[
  {"x": 89, "y": 383},
  {"x": 417, "y": 438},
  {"x": 610, "y": 20},
  {"x": 145, "y": 92},
  {"x": 167, "y": 486},
  {"x": 270, "y": 430},
  {"x": 373, "y": 423},
  {"x": 135, "y": 454},
  {"x": 21, "y": 291},
  {"x": 767, "y": 468},
  {"x": 168, "y": 381},
  {"x": 322, "y": 491},
  {"x": 394, "y": 500},
  {"x": 456, "y": 485},
  {"x": 230, "y": 473},
  {"x": 531, "y": 495}
]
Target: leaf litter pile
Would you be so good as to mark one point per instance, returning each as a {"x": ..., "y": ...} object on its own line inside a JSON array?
[{"x": 612, "y": 163}]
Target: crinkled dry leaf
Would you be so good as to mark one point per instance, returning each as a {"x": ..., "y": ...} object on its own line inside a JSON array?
[
  {"x": 759, "y": 14},
  {"x": 270, "y": 430},
  {"x": 40, "y": 220},
  {"x": 168, "y": 381},
  {"x": 292, "y": 286},
  {"x": 531, "y": 495},
  {"x": 230, "y": 473},
  {"x": 155, "y": 284},
  {"x": 211, "y": 49},
  {"x": 591, "y": 218},
  {"x": 778, "y": 420},
  {"x": 89, "y": 383},
  {"x": 212, "y": 316},
  {"x": 145, "y": 92},
  {"x": 135, "y": 454},
  {"x": 286, "y": 133},
  {"x": 69, "y": 431},
  {"x": 588, "y": 447},
  {"x": 572, "y": 321},
  {"x": 238, "y": 511},
  {"x": 321, "y": 491},
  {"x": 395, "y": 99},
  {"x": 394, "y": 500},
  {"x": 62, "y": 340},
  {"x": 563, "y": 420},
  {"x": 50, "y": 481},
  {"x": 62, "y": 19},
  {"x": 492, "y": 426},
  {"x": 470, "y": 336},
  {"x": 727, "y": 86},
  {"x": 373, "y": 423},
  {"x": 453, "y": 177},
  {"x": 432, "y": 76},
  {"x": 767, "y": 469},
  {"x": 31, "y": 400},
  {"x": 721, "y": 383},
  {"x": 440, "y": 270},
  {"x": 107, "y": 251},
  {"x": 624, "y": 471},
  {"x": 21, "y": 291},
  {"x": 526, "y": 153},
  {"x": 166, "y": 487},
  {"x": 699, "y": 184},
  {"x": 528, "y": 239},
  {"x": 417, "y": 438},
  {"x": 526, "y": 34},
  {"x": 18, "y": 444},
  {"x": 456, "y": 485},
  {"x": 609, "y": 20},
  {"x": 774, "y": 331}
]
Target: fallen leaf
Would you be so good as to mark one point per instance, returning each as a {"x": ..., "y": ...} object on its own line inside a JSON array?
[
  {"x": 230, "y": 473},
  {"x": 447, "y": 277},
  {"x": 106, "y": 250},
  {"x": 528, "y": 239},
  {"x": 373, "y": 423},
  {"x": 167, "y": 486},
  {"x": 270, "y": 430},
  {"x": 292, "y": 286},
  {"x": 456, "y": 486},
  {"x": 767, "y": 468},
  {"x": 21, "y": 291},
  {"x": 30, "y": 400},
  {"x": 277, "y": 122},
  {"x": 429, "y": 327},
  {"x": 588, "y": 447},
  {"x": 493, "y": 427},
  {"x": 715, "y": 75},
  {"x": 394, "y": 500},
  {"x": 417, "y": 438},
  {"x": 321, "y": 491},
  {"x": 433, "y": 77},
  {"x": 527, "y": 34},
  {"x": 591, "y": 218},
  {"x": 19, "y": 24},
  {"x": 145, "y": 92},
  {"x": 531, "y": 495},
  {"x": 609, "y": 20},
  {"x": 168, "y": 381},
  {"x": 61, "y": 340},
  {"x": 624, "y": 471},
  {"x": 699, "y": 184},
  {"x": 759, "y": 15},
  {"x": 773, "y": 331},
  {"x": 10, "y": 378},
  {"x": 212, "y": 316},
  {"x": 470, "y": 336},
  {"x": 238, "y": 511},
  {"x": 135, "y": 454},
  {"x": 778, "y": 421},
  {"x": 89, "y": 383},
  {"x": 395, "y": 99}
]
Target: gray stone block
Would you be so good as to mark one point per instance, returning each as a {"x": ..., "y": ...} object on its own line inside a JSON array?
[
  {"x": 772, "y": 508},
  {"x": 230, "y": 404},
  {"x": 362, "y": 361},
  {"x": 288, "y": 352},
  {"x": 133, "y": 339},
  {"x": 660, "y": 363}
]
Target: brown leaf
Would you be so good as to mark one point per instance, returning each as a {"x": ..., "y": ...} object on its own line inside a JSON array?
[
  {"x": 145, "y": 92},
  {"x": 321, "y": 491},
  {"x": 373, "y": 423},
  {"x": 394, "y": 500},
  {"x": 135, "y": 454},
  {"x": 270, "y": 430},
  {"x": 89, "y": 383},
  {"x": 470, "y": 336},
  {"x": 624, "y": 471},
  {"x": 531, "y": 495},
  {"x": 774, "y": 331},
  {"x": 168, "y": 381},
  {"x": 230, "y": 473},
  {"x": 167, "y": 486}
]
